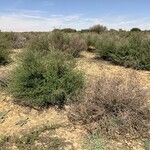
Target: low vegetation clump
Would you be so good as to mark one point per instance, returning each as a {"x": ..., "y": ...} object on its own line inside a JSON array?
[
  {"x": 39, "y": 43},
  {"x": 68, "y": 30},
  {"x": 3, "y": 55},
  {"x": 4, "y": 49},
  {"x": 94, "y": 142},
  {"x": 117, "y": 108},
  {"x": 41, "y": 138},
  {"x": 18, "y": 41},
  {"x": 135, "y": 30},
  {"x": 43, "y": 79},
  {"x": 59, "y": 40},
  {"x": 98, "y": 28},
  {"x": 69, "y": 43},
  {"x": 147, "y": 144},
  {"x": 76, "y": 45},
  {"x": 91, "y": 39},
  {"x": 129, "y": 50}
]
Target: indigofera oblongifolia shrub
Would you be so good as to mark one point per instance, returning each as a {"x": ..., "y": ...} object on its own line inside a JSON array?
[
  {"x": 45, "y": 78},
  {"x": 4, "y": 49},
  {"x": 129, "y": 50},
  {"x": 69, "y": 43}
]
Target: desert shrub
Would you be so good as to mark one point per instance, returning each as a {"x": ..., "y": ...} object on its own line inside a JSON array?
[
  {"x": 39, "y": 43},
  {"x": 69, "y": 43},
  {"x": 91, "y": 39},
  {"x": 76, "y": 45},
  {"x": 59, "y": 40},
  {"x": 69, "y": 30},
  {"x": 113, "y": 30},
  {"x": 146, "y": 144},
  {"x": 129, "y": 50},
  {"x": 105, "y": 47},
  {"x": 44, "y": 79},
  {"x": 18, "y": 41},
  {"x": 45, "y": 135},
  {"x": 4, "y": 58},
  {"x": 14, "y": 40},
  {"x": 98, "y": 28},
  {"x": 85, "y": 31},
  {"x": 135, "y": 30},
  {"x": 117, "y": 108},
  {"x": 4, "y": 52}
]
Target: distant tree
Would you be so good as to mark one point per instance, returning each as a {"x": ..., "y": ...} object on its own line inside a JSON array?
[
  {"x": 113, "y": 30},
  {"x": 121, "y": 30},
  {"x": 69, "y": 30},
  {"x": 146, "y": 30},
  {"x": 55, "y": 30},
  {"x": 85, "y": 30},
  {"x": 98, "y": 28},
  {"x": 135, "y": 30}
]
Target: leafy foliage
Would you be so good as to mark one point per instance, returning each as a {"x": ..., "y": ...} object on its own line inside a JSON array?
[
  {"x": 94, "y": 142},
  {"x": 4, "y": 46},
  {"x": 130, "y": 50},
  {"x": 45, "y": 79},
  {"x": 135, "y": 30}
]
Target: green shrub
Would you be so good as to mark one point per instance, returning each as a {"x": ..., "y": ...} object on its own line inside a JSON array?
[
  {"x": 68, "y": 43},
  {"x": 18, "y": 41},
  {"x": 3, "y": 56},
  {"x": 39, "y": 43},
  {"x": 105, "y": 47},
  {"x": 135, "y": 30},
  {"x": 45, "y": 79},
  {"x": 129, "y": 50},
  {"x": 91, "y": 39},
  {"x": 146, "y": 144},
  {"x": 84, "y": 31},
  {"x": 45, "y": 135},
  {"x": 71, "y": 44},
  {"x": 4, "y": 52},
  {"x": 69, "y": 30},
  {"x": 94, "y": 142},
  {"x": 59, "y": 40},
  {"x": 76, "y": 45}
]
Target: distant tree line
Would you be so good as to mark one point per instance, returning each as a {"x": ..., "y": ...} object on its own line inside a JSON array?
[
  {"x": 99, "y": 29},
  {"x": 95, "y": 29}
]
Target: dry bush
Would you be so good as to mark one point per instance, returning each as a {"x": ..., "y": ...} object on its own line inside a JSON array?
[
  {"x": 76, "y": 45},
  {"x": 18, "y": 41},
  {"x": 58, "y": 40},
  {"x": 98, "y": 28},
  {"x": 70, "y": 43},
  {"x": 117, "y": 108},
  {"x": 91, "y": 38},
  {"x": 39, "y": 43}
]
